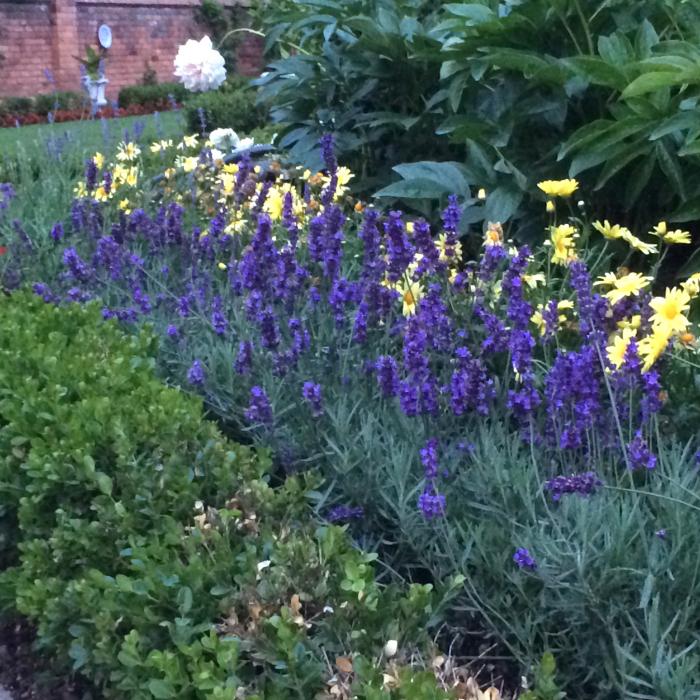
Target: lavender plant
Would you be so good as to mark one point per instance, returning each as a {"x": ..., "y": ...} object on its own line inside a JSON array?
[{"x": 499, "y": 418}]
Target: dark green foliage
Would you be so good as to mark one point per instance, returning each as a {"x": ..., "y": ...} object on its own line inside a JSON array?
[
  {"x": 519, "y": 91},
  {"x": 159, "y": 94},
  {"x": 364, "y": 70},
  {"x": 51, "y": 101},
  {"x": 153, "y": 553},
  {"x": 233, "y": 106},
  {"x": 16, "y": 105}
]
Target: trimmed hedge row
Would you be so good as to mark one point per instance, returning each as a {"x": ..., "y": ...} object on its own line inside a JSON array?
[
  {"x": 155, "y": 554},
  {"x": 158, "y": 95}
]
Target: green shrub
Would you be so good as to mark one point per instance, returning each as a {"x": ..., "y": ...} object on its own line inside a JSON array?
[
  {"x": 49, "y": 102},
  {"x": 159, "y": 94},
  {"x": 16, "y": 105},
  {"x": 231, "y": 107},
  {"x": 607, "y": 92},
  {"x": 155, "y": 554}
]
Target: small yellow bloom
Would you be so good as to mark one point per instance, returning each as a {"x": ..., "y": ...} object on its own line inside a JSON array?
[
  {"x": 639, "y": 244},
  {"x": 494, "y": 234},
  {"x": 274, "y": 204},
  {"x": 99, "y": 160},
  {"x": 160, "y": 146},
  {"x": 652, "y": 347},
  {"x": 80, "y": 190},
  {"x": 533, "y": 280},
  {"x": 678, "y": 236},
  {"x": 670, "y": 309},
  {"x": 128, "y": 151},
  {"x": 633, "y": 322},
  {"x": 124, "y": 206},
  {"x": 550, "y": 207},
  {"x": 189, "y": 164},
  {"x": 410, "y": 227},
  {"x": 692, "y": 285},
  {"x": 558, "y": 188},
  {"x": 562, "y": 240},
  {"x": 101, "y": 194},
  {"x": 222, "y": 266},
  {"x": 618, "y": 348},
  {"x": 628, "y": 285},
  {"x": 189, "y": 141},
  {"x": 230, "y": 168},
  {"x": 411, "y": 294},
  {"x": 132, "y": 177},
  {"x": 611, "y": 231},
  {"x": 481, "y": 194},
  {"x": 448, "y": 253}
]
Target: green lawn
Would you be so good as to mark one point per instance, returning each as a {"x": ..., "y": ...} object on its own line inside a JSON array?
[{"x": 85, "y": 136}]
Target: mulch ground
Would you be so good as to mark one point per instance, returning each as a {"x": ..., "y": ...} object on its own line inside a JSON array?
[{"x": 26, "y": 674}]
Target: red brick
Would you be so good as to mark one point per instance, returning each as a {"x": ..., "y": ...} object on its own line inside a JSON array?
[{"x": 39, "y": 34}]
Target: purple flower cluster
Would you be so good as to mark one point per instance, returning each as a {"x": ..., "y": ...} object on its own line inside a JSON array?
[
  {"x": 582, "y": 484},
  {"x": 311, "y": 393},
  {"x": 639, "y": 454},
  {"x": 259, "y": 409},
  {"x": 524, "y": 559},
  {"x": 431, "y": 502},
  {"x": 342, "y": 514}
]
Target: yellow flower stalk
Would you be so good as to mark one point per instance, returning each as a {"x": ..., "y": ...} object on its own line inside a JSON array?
[{"x": 558, "y": 188}]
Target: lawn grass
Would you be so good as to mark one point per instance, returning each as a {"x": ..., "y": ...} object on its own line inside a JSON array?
[{"x": 85, "y": 136}]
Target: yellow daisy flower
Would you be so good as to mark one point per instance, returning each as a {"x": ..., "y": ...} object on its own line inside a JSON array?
[
  {"x": 494, "y": 234},
  {"x": 124, "y": 206},
  {"x": 652, "y": 347},
  {"x": 558, "y": 188},
  {"x": 692, "y": 285},
  {"x": 411, "y": 294},
  {"x": 533, "y": 280},
  {"x": 99, "y": 160},
  {"x": 562, "y": 240},
  {"x": 625, "y": 286},
  {"x": 448, "y": 253},
  {"x": 617, "y": 350},
  {"x": 611, "y": 231},
  {"x": 128, "y": 152},
  {"x": 670, "y": 310},
  {"x": 672, "y": 237},
  {"x": 80, "y": 190},
  {"x": 639, "y": 244}
]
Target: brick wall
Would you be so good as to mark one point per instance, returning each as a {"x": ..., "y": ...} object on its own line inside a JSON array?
[
  {"x": 25, "y": 46},
  {"x": 35, "y": 35}
]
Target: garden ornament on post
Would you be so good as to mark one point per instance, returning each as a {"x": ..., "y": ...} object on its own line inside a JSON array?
[{"x": 92, "y": 70}]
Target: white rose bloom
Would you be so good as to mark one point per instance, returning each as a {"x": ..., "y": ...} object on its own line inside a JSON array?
[
  {"x": 225, "y": 139},
  {"x": 199, "y": 66}
]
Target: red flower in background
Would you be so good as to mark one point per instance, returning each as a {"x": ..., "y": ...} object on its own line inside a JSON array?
[{"x": 3, "y": 249}]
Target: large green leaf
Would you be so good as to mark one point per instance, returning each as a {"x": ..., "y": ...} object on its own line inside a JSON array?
[
  {"x": 415, "y": 188},
  {"x": 657, "y": 80},
  {"x": 449, "y": 174}
]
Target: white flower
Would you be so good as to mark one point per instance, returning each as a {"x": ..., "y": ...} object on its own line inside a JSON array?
[
  {"x": 228, "y": 140},
  {"x": 390, "y": 648},
  {"x": 224, "y": 139},
  {"x": 199, "y": 66}
]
